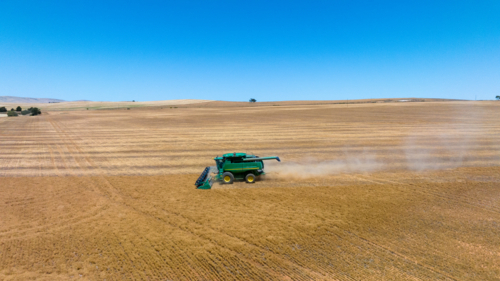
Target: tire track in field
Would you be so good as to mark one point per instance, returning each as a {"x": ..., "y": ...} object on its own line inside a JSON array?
[
  {"x": 61, "y": 221},
  {"x": 121, "y": 201},
  {"x": 249, "y": 244},
  {"x": 197, "y": 235},
  {"x": 430, "y": 192},
  {"x": 71, "y": 135},
  {"x": 12, "y": 138},
  {"x": 90, "y": 163},
  {"x": 209, "y": 235},
  {"x": 238, "y": 239},
  {"x": 27, "y": 227},
  {"x": 28, "y": 152},
  {"x": 83, "y": 163},
  {"x": 427, "y": 193},
  {"x": 177, "y": 224},
  {"x": 400, "y": 256},
  {"x": 61, "y": 224}
]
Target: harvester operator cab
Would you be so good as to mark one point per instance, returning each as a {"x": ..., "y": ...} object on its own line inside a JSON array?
[{"x": 219, "y": 162}]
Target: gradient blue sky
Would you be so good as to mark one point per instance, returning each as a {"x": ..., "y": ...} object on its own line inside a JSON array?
[{"x": 235, "y": 50}]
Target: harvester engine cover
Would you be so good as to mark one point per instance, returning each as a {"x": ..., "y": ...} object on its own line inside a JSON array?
[{"x": 233, "y": 166}]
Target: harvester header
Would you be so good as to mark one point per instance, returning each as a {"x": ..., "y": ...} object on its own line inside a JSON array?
[{"x": 233, "y": 166}]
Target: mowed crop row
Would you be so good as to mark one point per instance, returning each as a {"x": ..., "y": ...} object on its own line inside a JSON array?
[
  {"x": 110, "y": 194},
  {"x": 157, "y": 141}
]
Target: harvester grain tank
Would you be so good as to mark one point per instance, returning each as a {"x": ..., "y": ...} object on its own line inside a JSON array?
[{"x": 233, "y": 166}]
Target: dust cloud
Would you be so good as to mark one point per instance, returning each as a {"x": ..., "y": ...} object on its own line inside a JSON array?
[
  {"x": 462, "y": 142},
  {"x": 311, "y": 167},
  {"x": 466, "y": 139}
]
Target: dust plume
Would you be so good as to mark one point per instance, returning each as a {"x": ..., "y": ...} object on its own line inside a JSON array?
[
  {"x": 459, "y": 143},
  {"x": 311, "y": 167},
  {"x": 464, "y": 140}
]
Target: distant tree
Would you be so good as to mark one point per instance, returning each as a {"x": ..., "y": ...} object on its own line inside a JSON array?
[
  {"x": 19, "y": 108},
  {"x": 11, "y": 113},
  {"x": 35, "y": 111},
  {"x": 3, "y": 109},
  {"x": 133, "y": 100},
  {"x": 498, "y": 97},
  {"x": 252, "y": 100},
  {"x": 26, "y": 112},
  {"x": 12, "y": 109}
]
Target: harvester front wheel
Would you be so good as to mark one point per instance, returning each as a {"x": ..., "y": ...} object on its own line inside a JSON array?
[
  {"x": 250, "y": 178},
  {"x": 227, "y": 178}
]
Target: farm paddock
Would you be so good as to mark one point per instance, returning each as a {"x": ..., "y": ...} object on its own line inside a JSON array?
[{"x": 366, "y": 192}]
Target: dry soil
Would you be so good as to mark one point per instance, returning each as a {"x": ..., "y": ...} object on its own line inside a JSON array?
[{"x": 369, "y": 191}]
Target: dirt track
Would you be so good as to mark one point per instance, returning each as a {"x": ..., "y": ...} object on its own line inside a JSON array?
[{"x": 397, "y": 191}]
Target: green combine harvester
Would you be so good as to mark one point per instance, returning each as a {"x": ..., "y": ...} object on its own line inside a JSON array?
[{"x": 233, "y": 166}]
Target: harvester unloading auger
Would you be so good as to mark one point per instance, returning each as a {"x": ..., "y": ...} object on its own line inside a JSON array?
[{"x": 233, "y": 166}]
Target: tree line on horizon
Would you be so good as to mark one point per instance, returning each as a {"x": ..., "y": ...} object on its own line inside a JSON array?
[{"x": 32, "y": 111}]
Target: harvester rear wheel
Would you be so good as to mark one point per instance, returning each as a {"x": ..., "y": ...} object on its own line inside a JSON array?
[
  {"x": 227, "y": 178},
  {"x": 250, "y": 178}
]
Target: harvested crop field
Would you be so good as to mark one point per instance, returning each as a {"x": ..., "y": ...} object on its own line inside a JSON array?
[{"x": 369, "y": 191}]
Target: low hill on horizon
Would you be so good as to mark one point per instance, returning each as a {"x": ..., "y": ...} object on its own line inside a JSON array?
[
  {"x": 12, "y": 99},
  {"x": 94, "y": 105},
  {"x": 61, "y": 105}
]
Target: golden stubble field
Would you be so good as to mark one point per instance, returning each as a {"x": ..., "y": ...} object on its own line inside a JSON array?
[{"x": 377, "y": 191}]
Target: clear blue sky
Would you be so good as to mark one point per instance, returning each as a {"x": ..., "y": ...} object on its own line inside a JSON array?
[{"x": 235, "y": 50}]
